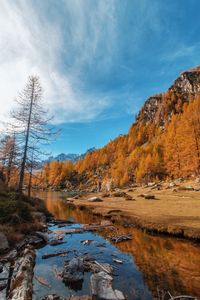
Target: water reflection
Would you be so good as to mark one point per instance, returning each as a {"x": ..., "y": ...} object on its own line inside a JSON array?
[{"x": 166, "y": 263}]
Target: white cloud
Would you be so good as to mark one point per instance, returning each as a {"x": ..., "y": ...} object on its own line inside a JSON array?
[{"x": 30, "y": 44}]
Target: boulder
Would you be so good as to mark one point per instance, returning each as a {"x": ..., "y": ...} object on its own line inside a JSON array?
[
  {"x": 128, "y": 197},
  {"x": 73, "y": 271},
  {"x": 148, "y": 196},
  {"x": 106, "y": 223},
  {"x": 43, "y": 236},
  {"x": 101, "y": 287},
  {"x": 119, "y": 194},
  {"x": 4, "y": 246},
  {"x": 105, "y": 195},
  {"x": 95, "y": 199}
]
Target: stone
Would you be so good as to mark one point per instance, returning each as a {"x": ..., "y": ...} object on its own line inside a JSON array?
[
  {"x": 4, "y": 246},
  {"x": 43, "y": 236},
  {"x": 101, "y": 287},
  {"x": 106, "y": 223},
  {"x": 119, "y": 194},
  {"x": 105, "y": 195},
  {"x": 4, "y": 277},
  {"x": 52, "y": 297},
  {"x": 73, "y": 271},
  {"x": 128, "y": 197},
  {"x": 95, "y": 199}
]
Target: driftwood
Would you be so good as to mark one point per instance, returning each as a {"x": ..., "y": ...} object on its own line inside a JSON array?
[
  {"x": 86, "y": 227},
  {"x": 56, "y": 242},
  {"x": 94, "y": 266},
  {"x": 60, "y": 253},
  {"x": 121, "y": 238},
  {"x": 162, "y": 295},
  {"x": 118, "y": 261},
  {"x": 21, "y": 286}
]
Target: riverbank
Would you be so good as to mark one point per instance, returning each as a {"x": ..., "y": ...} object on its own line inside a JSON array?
[
  {"x": 19, "y": 217},
  {"x": 22, "y": 229},
  {"x": 172, "y": 209}
]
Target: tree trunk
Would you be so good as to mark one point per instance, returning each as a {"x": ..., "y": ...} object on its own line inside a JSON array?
[{"x": 21, "y": 180}]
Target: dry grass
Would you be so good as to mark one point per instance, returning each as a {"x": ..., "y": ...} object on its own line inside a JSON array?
[
  {"x": 172, "y": 211},
  {"x": 17, "y": 214}
]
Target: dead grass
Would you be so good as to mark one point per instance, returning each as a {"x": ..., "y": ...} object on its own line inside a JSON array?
[{"x": 173, "y": 211}]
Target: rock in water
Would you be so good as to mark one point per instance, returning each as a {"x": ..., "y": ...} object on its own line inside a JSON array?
[
  {"x": 4, "y": 246},
  {"x": 43, "y": 236},
  {"x": 73, "y": 272},
  {"x": 101, "y": 287}
]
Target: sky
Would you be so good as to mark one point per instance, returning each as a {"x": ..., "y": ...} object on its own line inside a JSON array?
[{"x": 98, "y": 60}]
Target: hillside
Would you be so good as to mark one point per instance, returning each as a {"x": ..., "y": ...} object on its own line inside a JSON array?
[{"x": 164, "y": 142}]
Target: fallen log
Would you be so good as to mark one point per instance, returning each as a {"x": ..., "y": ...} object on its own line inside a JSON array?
[
  {"x": 21, "y": 286},
  {"x": 60, "y": 253},
  {"x": 56, "y": 242}
]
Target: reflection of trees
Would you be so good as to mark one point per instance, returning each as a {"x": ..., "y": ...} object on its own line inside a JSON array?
[{"x": 166, "y": 263}]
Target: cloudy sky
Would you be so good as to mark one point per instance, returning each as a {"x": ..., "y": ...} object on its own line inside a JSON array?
[{"x": 98, "y": 60}]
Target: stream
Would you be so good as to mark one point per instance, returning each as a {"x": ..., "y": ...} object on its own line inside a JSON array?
[{"x": 151, "y": 264}]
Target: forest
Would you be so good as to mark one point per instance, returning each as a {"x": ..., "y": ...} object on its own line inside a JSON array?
[{"x": 148, "y": 152}]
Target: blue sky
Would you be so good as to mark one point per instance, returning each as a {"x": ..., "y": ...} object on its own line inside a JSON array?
[{"x": 98, "y": 60}]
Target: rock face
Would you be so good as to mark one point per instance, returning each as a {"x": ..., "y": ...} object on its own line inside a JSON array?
[
  {"x": 158, "y": 108},
  {"x": 188, "y": 82},
  {"x": 4, "y": 246}
]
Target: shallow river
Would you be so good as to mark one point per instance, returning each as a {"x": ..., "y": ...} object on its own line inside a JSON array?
[{"x": 151, "y": 264}]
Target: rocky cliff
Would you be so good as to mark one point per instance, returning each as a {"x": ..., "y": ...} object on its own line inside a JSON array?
[{"x": 158, "y": 108}]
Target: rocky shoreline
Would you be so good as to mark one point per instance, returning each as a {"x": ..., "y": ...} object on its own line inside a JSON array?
[{"x": 17, "y": 264}]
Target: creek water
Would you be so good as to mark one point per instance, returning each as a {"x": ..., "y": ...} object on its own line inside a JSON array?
[{"x": 150, "y": 263}]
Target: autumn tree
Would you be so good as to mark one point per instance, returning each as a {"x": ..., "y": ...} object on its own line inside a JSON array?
[{"x": 8, "y": 153}]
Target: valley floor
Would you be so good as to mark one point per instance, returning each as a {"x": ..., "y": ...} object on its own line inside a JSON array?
[{"x": 175, "y": 210}]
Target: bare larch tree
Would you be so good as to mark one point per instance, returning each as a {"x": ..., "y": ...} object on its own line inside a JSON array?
[{"x": 31, "y": 124}]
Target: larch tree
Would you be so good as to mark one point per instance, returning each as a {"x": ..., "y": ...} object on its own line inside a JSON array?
[{"x": 30, "y": 121}]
